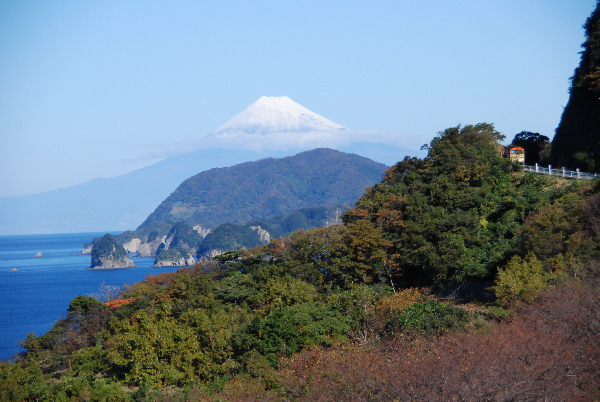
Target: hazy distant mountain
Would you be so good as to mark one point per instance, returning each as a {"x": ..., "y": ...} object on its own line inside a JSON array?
[
  {"x": 269, "y": 187},
  {"x": 114, "y": 204}
]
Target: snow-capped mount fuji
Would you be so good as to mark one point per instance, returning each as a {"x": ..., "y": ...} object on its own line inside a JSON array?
[
  {"x": 275, "y": 114},
  {"x": 270, "y": 127}
]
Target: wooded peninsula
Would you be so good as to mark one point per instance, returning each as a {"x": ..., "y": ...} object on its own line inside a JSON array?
[{"x": 458, "y": 275}]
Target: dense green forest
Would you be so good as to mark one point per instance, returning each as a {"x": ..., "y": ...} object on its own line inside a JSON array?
[
  {"x": 457, "y": 277},
  {"x": 268, "y": 187}
]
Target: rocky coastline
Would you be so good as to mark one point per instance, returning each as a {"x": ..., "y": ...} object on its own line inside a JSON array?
[
  {"x": 110, "y": 263},
  {"x": 184, "y": 261}
]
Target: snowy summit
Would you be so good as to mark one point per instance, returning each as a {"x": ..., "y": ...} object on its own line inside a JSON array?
[{"x": 275, "y": 114}]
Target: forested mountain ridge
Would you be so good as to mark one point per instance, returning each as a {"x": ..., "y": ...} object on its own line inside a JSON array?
[
  {"x": 274, "y": 196},
  {"x": 332, "y": 312},
  {"x": 268, "y": 187}
]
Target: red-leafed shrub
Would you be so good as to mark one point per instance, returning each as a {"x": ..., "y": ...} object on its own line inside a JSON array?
[{"x": 551, "y": 349}]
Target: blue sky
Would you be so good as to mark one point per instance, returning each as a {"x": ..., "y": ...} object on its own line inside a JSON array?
[{"x": 99, "y": 88}]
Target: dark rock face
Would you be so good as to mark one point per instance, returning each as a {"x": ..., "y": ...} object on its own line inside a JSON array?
[
  {"x": 577, "y": 140},
  {"x": 107, "y": 253}
]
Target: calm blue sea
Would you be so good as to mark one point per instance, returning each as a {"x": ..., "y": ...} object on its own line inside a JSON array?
[{"x": 35, "y": 297}]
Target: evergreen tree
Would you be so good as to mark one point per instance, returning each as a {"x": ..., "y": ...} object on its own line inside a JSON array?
[{"x": 577, "y": 140}]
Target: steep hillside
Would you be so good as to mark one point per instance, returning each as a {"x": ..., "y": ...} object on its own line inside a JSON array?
[
  {"x": 454, "y": 216},
  {"x": 577, "y": 140},
  {"x": 269, "y": 187}
]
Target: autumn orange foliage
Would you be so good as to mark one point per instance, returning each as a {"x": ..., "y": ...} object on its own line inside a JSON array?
[{"x": 113, "y": 304}]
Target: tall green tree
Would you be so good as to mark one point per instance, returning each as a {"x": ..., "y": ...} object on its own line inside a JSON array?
[{"x": 577, "y": 140}]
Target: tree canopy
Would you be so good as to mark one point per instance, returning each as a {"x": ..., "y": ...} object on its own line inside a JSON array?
[{"x": 455, "y": 215}]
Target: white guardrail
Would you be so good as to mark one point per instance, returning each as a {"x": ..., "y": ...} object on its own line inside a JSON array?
[{"x": 562, "y": 172}]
